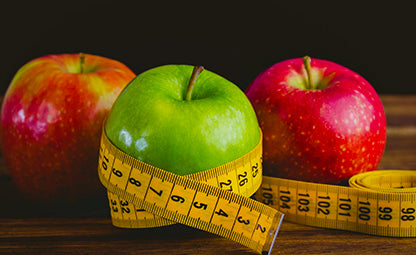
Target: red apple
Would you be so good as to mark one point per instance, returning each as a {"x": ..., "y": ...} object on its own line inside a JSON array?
[
  {"x": 321, "y": 121},
  {"x": 51, "y": 119}
]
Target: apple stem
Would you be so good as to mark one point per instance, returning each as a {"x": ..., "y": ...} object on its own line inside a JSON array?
[
  {"x": 82, "y": 62},
  {"x": 195, "y": 73},
  {"x": 307, "y": 65}
]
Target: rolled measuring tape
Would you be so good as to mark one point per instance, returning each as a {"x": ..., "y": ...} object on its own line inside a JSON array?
[
  {"x": 381, "y": 202},
  {"x": 141, "y": 195}
]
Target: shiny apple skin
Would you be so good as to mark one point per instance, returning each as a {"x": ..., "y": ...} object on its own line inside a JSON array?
[
  {"x": 323, "y": 135},
  {"x": 51, "y": 121},
  {"x": 152, "y": 122}
]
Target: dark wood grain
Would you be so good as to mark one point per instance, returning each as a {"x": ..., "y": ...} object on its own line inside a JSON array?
[{"x": 27, "y": 228}]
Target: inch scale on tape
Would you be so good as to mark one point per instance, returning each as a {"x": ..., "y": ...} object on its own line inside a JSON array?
[
  {"x": 196, "y": 200},
  {"x": 380, "y": 202}
]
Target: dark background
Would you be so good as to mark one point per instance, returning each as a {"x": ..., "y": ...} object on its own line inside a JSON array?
[{"x": 237, "y": 40}]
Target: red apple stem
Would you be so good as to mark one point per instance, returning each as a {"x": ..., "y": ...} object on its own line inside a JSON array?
[
  {"x": 307, "y": 65},
  {"x": 82, "y": 62},
  {"x": 195, "y": 73}
]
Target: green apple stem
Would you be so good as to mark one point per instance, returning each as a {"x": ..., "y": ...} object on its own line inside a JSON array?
[
  {"x": 195, "y": 73},
  {"x": 307, "y": 65},
  {"x": 82, "y": 62}
]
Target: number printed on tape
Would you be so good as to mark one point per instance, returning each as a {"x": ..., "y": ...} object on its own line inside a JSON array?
[
  {"x": 381, "y": 202},
  {"x": 383, "y": 209},
  {"x": 215, "y": 200}
]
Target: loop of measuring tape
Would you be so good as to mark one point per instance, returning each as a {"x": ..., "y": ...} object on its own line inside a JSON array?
[
  {"x": 141, "y": 195},
  {"x": 381, "y": 202}
]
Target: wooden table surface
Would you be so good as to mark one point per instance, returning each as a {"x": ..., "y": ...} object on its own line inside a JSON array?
[{"x": 26, "y": 228}]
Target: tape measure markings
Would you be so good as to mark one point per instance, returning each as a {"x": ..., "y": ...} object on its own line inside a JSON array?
[
  {"x": 378, "y": 203},
  {"x": 205, "y": 174},
  {"x": 190, "y": 200},
  {"x": 230, "y": 198},
  {"x": 372, "y": 210}
]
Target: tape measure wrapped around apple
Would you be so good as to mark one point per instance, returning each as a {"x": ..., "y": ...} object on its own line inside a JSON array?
[
  {"x": 210, "y": 143},
  {"x": 175, "y": 142}
]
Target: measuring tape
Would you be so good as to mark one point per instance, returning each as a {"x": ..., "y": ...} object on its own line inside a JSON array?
[
  {"x": 141, "y": 195},
  {"x": 381, "y": 202}
]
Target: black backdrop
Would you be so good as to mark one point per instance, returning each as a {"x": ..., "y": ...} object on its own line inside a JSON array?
[{"x": 236, "y": 40}]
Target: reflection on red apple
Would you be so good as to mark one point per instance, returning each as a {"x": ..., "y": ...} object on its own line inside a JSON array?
[
  {"x": 51, "y": 119},
  {"x": 322, "y": 122}
]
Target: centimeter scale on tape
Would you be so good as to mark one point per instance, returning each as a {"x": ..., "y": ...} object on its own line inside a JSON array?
[
  {"x": 381, "y": 202},
  {"x": 141, "y": 195}
]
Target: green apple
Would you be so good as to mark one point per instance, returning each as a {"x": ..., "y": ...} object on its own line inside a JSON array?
[{"x": 182, "y": 119}]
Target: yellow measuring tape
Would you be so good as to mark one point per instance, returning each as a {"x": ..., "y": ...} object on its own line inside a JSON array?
[
  {"x": 141, "y": 195},
  {"x": 381, "y": 202}
]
